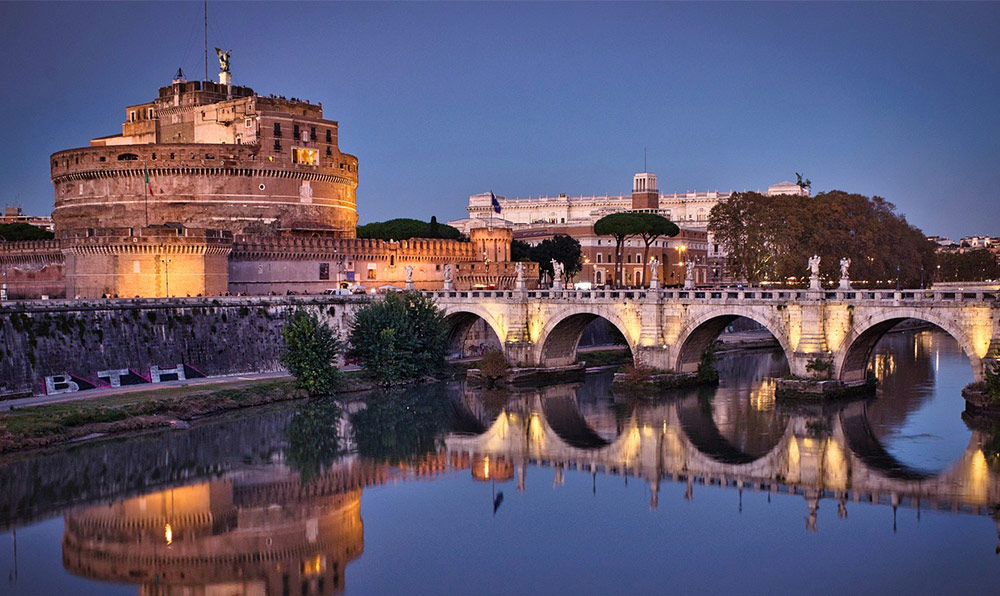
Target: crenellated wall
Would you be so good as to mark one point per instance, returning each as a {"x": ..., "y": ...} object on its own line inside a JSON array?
[{"x": 32, "y": 269}]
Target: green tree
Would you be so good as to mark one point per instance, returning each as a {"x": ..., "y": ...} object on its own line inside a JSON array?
[
  {"x": 311, "y": 348},
  {"x": 619, "y": 226},
  {"x": 653, "y": 226},
  {"x": 404, "y": 229},
  {"x": 562, "y": 248},
  {"x": 20, "y": 231},
  {"x": 520, "y": 251},
  {"x": 313, "y": 437},
  {"x": 399, "y": 338}
]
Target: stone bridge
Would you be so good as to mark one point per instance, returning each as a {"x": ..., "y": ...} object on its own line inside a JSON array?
[
  {"x": 822, "y": 453},
  {"x": 671, "y": 329}
]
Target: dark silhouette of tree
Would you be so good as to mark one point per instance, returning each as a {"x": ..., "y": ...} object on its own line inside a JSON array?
[
  {"x": 619, "y": 226},
  {"x": 653, "y": 226},
  {"x": 562, "y": 248},
  {"x": 404, "y": 229},
  {"x": 20, "y": 232}
]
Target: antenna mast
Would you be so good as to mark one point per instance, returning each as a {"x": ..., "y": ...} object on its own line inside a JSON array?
[{"x": 206, "y": 40}]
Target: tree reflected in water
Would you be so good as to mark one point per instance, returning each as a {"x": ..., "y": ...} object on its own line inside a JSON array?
[
  {"x": 397, "y": 426},
  {"x": 313, "y": 436}
]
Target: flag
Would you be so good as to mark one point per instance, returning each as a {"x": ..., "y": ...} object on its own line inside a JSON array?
[
  {"x": 149, "y": 186},
  {"x": 494, "y": 202}
]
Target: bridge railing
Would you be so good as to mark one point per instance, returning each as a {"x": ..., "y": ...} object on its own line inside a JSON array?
[{"x": 751, "y": 294}]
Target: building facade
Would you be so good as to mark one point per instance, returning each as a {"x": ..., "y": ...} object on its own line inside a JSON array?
[{"x": 536, "y": 218}]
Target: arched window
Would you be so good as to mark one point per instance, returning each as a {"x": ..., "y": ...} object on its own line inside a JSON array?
[{"x": 128, "y": 157}]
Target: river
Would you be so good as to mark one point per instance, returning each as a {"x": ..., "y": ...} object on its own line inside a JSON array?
[{"x": 570, "y": 489}]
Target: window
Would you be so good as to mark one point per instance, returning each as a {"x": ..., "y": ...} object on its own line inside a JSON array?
[
  {"x": 371, "y": 270},
  {"x": 277, "y": 129},
  {"x": 628, "y": 258},
  {"x": 312, "y": 133},
  {"x": 600, "y": 258},
  {"x": 248, "y": 123},
  {"x": 295, "y": 132},
  {"x": 329, "y": 136},
  {"x": 328, "y": 152},
  {"x": 638, "y": 258},
  {"x": 150, "y": 113},
  {"x": 306, "y": 157},
  {"x": 277, "y": 145},
  {"x": 324, "y": 271},
  {"x": 392, "y": 260},
  {"x": 131, "y": 116}
]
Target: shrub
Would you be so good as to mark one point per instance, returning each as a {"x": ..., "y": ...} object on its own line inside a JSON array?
[
  {"x": 707, "y": 372},
  {"x": 493, "y": 366},
  {"x": 399, "y": 338},
  {"x": 310, "y": 350},
  {"x": 819, "y": 367},
  {"x": 992, "y": 380}
]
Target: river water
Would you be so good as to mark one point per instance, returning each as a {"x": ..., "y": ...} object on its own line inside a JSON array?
[{"x": 571, "y": 489}]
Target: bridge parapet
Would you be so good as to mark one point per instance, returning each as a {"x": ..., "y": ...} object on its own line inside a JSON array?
[{"x": 670, "y": 329}]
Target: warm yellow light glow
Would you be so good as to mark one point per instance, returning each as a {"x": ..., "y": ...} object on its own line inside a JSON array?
[
  {"x": 979, "y": 476},
  {"x": 306, "y": 157},
  {"x": 762, "y": 397},
  {"x": 535, "y": 328},
  {"x": 536, "y": 434},
  {"x": 168, "y": 534},
  {"x": 883, "y": 365},
  {"x": 486, "y": 468},
  {"x": 314, "y": 566},
  {"x": 982, "y": 330},
  {"x": 835, "y": 466}
]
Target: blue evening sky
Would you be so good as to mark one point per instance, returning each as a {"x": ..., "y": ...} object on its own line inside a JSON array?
[{"x": 440, "y": 101}]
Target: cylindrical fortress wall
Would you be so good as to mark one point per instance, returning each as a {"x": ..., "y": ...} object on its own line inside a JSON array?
[{"x": 228, "y": 187}]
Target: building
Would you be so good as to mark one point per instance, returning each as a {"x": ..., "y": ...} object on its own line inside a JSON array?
[
  {"x": 536, "y": 218},
  {"x": 212, "y": 188},
  {"x": 211, "y": 155},
  {"x": 16, "y": 215}
]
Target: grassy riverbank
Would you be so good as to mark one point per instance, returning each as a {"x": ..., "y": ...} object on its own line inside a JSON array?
[{"x": 42, "y": 426}]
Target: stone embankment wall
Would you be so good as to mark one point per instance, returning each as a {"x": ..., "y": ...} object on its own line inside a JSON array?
[{"x": 75, "y": 341}]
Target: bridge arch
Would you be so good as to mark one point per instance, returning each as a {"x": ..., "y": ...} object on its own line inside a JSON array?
[
  {"x": 560, "y": 336},
  {"x": 701, "y": 332},
  {"x": 851, "y": 359},
  {"x": 460, "y": 322}
]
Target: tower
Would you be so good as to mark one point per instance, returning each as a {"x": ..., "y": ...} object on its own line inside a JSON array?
[{"x": 644, "y": 192}]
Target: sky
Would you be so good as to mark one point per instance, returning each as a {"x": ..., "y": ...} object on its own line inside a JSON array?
[{"x": 441, "y": 101}]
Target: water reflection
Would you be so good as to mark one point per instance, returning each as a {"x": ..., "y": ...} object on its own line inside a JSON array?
[
  {"x": 257, "y": 532},
  {"x": 272, "y": 503}
]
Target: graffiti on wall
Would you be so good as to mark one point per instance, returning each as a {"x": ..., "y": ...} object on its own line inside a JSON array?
[{"x": 118, "y": 377}]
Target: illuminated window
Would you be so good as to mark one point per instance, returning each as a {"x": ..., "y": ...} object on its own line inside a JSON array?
[
  {"x": 371, "y": 271},
  {"x": 307, "y": 157}
]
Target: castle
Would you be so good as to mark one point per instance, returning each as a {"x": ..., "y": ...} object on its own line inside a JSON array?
[{"x": 212, "y": 188}]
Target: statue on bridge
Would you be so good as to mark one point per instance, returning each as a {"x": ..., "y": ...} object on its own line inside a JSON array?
[
  {"x": 449, "y": 281},
  {"x": 654, "y": 274},
  {"x": 845, "y": 278},
  {"x": 814, "y": 283},
  {"x": 557, "y": 275},
  {"x": 409, "y": 277},
  {"x": 519, "y": 280},
  {"x": 689, "y": 274}
]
